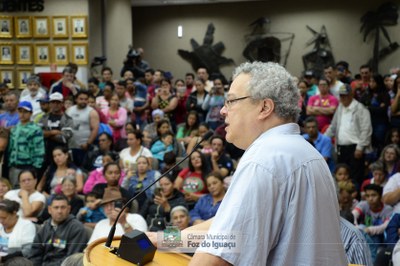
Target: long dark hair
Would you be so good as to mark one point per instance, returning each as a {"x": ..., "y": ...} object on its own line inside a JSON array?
[{"x": 205, "y": 167}]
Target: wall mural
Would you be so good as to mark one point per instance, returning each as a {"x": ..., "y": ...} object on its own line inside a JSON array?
[
  {"x": 207, "y": 55},
  {"x": 263, "y": 45},
  {"x": 321, "y": 55},
  {"x": 374, "y": 22}
]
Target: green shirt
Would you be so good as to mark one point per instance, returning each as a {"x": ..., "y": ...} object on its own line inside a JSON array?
[{"x": 26, "y": 145}]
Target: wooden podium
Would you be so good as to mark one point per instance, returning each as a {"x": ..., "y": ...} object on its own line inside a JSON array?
[{"x": 96, "y": 254}]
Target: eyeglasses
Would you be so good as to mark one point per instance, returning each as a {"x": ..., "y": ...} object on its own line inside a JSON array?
[{"x": 228, "y": 103}]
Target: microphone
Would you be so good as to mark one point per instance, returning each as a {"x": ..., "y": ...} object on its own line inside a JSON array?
[{"x": 111, "y": 234}]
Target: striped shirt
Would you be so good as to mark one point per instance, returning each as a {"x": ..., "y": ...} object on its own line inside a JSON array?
[
  {"x": 26, "y": 145},
  {"x": 355, "y": 245}
]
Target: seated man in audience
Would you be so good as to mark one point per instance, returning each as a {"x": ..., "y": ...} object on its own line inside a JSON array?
[
  {"x": 219, "y": 161},
  {"x": 60, "y": 236},
  {"x": 112, "y": 203}
]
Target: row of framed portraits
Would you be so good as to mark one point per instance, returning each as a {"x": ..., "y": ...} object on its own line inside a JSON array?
[
  {"x": 43, "y": 53},
  {"x": 15, "y": 79},
  {"x": 57, "y": 27}
]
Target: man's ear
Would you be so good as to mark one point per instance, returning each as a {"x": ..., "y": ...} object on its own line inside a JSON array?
[{"x": 267, "y": 108}]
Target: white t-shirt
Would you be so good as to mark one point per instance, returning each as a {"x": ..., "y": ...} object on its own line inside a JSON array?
[
  {"x": 392, "y": 185},
  {"x": 23, "y": 233},
  {"x": 36, "y": 196},
  {"x": 126, "y": 157},
  {"x": 102, "y": 228}
]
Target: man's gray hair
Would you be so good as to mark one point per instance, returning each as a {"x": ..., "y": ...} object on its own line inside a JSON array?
[{"x": 271, "y": 80}]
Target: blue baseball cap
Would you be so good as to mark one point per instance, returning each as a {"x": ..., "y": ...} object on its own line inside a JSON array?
[
  {"x": 25, "y": 105},
  {"x": 44, "y": 99}
]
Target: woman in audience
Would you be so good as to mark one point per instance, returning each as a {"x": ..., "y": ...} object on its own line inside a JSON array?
[
  {"x": 303, "y": 86},
  {"x": 17, "y": 233},
  {"x": 164, "y": 127},
  {"x": 196, "y": 99},
  {"x": 68, "y": 188},
  {"x": 116, "y": 117},
  {"x": 393, "y": 137},
  {"x": 180, "y": 91},
  {"x": 151, "y": 128},
  {"x": 188, "y": 130},
  {"x": 390, "y": 157},
  {"x": 5, "y": 186},
  {"x": 128, "y": 156},
  {"x": 104, "y": 101},
  {"x": 62, "y": 166},
  {"x": 140, "y": 178},
  {"x": 29, "y": 199},
  {"x": 94, "y": 159},
  {"x": 213, "y": 104},
  {"x": 96, "y": 176},
  {"x": 180, "y": 217},
  {"x": 191, "y": 179},
  {"x": 156, "y": 210},
  {"x": 166, "y": 101},
  {"x": 377, "y": 100},
  {"x": 207, "y": 206}
]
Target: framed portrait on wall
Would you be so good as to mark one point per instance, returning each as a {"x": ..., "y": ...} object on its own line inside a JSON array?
[
  {"x": 42, "y": 54},
  {"x": 6, "y": 54},
  {"x": 24, "y": 54},
  {"x": 79, "y": 27},
  {"x": 7, "y": 77},
  {"x": 79, "y": 53},
  {"x": 6, "y": 27},
  {"x": 23, "y": 27},
  {"x": 41, "y": 27},
  {"x": 22, "y": 77},
  {"x": 60, "y": 53},
  {"x": 60, "y": 27}
]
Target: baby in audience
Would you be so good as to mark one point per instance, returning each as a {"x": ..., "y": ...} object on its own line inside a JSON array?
[{"x": 92, "y": 212}]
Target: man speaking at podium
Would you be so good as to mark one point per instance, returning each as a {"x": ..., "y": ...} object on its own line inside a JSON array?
[{"x": 282, "y": 199}]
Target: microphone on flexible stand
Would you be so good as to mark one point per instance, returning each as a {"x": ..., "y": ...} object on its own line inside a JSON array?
[{"x": 136, "y": 232}]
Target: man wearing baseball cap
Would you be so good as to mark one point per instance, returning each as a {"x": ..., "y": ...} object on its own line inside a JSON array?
[
  {"x": 57, "y": 125},
  {"x": 26, "y": 145},
  {"x": 44, "y": 109},
  {"x": 351, "y": 125}
]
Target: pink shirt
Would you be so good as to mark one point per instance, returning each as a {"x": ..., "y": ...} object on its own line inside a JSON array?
[
  {"x": 323, "y": 101},
  {"x": 120, "y": 118}
]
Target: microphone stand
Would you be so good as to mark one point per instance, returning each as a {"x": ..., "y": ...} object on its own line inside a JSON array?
[{"x": 114, "y": 226}]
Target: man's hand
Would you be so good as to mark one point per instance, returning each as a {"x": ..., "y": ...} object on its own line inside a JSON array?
[{"x": 358, "y": 154}]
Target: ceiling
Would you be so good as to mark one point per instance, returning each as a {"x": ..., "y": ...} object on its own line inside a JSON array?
[{"x": 182, "y": 2}]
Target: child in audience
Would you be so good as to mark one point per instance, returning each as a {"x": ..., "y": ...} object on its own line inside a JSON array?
[
  {"x": 371, "y": 215},
  {"x": 160, "y": 147},
  {"x": 342, "y": 172},
  {"x": 92, "y": 212},
  {"x": 346, "y": 190}
]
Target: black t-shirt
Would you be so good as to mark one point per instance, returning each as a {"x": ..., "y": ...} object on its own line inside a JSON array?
[{"x": 224, "y": 162}]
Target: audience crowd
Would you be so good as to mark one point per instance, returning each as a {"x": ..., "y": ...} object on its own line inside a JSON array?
[{"x": 73, "y": 155}]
